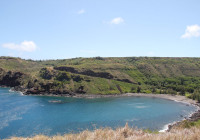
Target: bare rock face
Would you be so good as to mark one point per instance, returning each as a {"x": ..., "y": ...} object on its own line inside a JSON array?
[
  {"x": 81, "y": 90},
  {"x": 97, "y": 74},
  {"x": 68, "y": 69},
  {"x": 46, "y": 74},
  {"x": 85, "y": 72},
  {"x": 105, "y": 75},
  {"x": 32, "y": 92},
  {"x": 77, "y": 78},
  {"x": 10, "y": 79}
]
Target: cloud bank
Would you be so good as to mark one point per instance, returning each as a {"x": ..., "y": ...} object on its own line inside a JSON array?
[
  {"x": 25, "y": 46},
  {"x": 192, "y": 31}
]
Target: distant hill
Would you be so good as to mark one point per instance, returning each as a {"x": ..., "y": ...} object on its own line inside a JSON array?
[{"x": 103, "y": 75}]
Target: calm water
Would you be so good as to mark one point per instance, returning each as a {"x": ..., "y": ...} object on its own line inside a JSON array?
[{"x": 29, "y": 115}]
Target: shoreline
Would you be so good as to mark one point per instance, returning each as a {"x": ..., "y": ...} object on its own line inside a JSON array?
[
  {"x": 166, "y": 128},
  {"x": 176, "y": 98}
]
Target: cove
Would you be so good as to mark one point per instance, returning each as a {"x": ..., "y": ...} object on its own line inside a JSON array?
[{"x": 31, "y": 115}]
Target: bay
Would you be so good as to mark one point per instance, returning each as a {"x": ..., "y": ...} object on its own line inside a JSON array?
[{"x": 31, "y": 115}]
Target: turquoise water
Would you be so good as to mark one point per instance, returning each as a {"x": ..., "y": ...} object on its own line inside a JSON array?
[{"x": 30, "y": 115}]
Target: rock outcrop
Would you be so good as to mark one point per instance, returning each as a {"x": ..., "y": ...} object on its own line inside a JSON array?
[
  {"x": 105, "y": 75},
  {"x": 10, "y": 79}
]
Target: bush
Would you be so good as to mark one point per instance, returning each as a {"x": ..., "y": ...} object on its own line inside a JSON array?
[
  {"x": 196, "y": 96},
  {"x": 45, "y": 74},
  {"x": 77, "y": 78},
  {"x": 138, "y": 89},
  {"x": 171, "y": 91},
  {"x": 62, "y": 76}
]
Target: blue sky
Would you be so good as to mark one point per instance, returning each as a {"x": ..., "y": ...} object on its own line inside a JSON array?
[{"x": 57, "y": 29}]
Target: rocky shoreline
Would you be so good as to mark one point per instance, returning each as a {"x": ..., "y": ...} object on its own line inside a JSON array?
[
  {"x": 194, "y": 117},
  {"x": 37, "y": 92}
]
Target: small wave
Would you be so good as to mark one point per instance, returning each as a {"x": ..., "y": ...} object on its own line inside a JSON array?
[
  {"x": 131, "y": 120},
  {"x": 21, "y": 93},
  {"x": 136, "y": 104},
  {"x": 10, "y": 90},
  {"x": 55, "y": 101},
  {"x": 165, "y": 128},
  {"x": 141, "y": 106},
  {"x": 184, "y": 102}
]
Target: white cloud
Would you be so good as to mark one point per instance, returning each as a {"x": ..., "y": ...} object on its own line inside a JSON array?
[
  {"x": 26, "y": 46},
  {"x": 192, "y": 31},
  {"x": 117, "y": 20},
  {"x": 82, "y": 11}
]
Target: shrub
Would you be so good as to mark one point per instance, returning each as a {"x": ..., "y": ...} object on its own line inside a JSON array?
[
  {"x": 62, "y": 76},
  {"x": 138, "y": 89},
  {"x": 45, "y": 74}
]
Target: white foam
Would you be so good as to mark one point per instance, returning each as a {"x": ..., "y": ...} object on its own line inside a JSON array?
[
  {"x": 141, "y": 106},
  {"x": 10, "y": 90},
  {"x": 21, "y": 93},
  {"x": 166, "y": 127},
  {"x": 55, "y": 101},
  {"x": 131, "y": 120},
  {"x": 136, "y": 104}
]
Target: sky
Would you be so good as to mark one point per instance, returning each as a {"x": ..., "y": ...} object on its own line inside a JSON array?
[{"x": 61, "y": 29}]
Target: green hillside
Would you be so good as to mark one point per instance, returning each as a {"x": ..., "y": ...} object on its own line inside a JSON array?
[{"x": 103, "y": 75}]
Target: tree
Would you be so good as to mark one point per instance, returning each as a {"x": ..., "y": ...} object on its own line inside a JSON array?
[
  {"x": 154, "y": 90},
  {"x": 61, "y": 76},
  {"x": 133, "y": 89},
  {"x": 182, "y": 91},
  {"x": 138, "y": 89}
]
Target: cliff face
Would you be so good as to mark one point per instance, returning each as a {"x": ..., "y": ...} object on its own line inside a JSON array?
[
  {"x": 102, "y": 75},
  {"x": 10, "y": 78}
]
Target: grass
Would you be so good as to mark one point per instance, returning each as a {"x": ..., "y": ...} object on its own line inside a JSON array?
[
  {"x": 125, "y": 133},
  {"x": 188, "y": 124}
]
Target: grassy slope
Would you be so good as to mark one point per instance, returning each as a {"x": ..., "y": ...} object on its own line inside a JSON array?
[
  {"x": 147, "y": 75},
  {"x": 125, "y": 133}
]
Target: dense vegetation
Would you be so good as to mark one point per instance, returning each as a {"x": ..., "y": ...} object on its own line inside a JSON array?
[{"x": 105, "y": 75}]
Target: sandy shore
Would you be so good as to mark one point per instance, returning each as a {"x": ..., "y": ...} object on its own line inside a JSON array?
[{"x": 176, "y": 98}]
